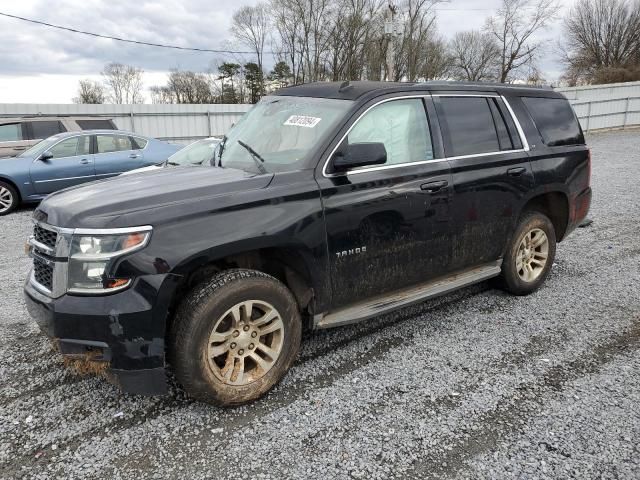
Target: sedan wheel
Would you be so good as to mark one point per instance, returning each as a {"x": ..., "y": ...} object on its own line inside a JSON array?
[{"x": 8, "y": 198}]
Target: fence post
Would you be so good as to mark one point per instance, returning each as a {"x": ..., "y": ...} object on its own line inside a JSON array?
[
  {"x": 133, "y": 128},
  {"x": 588, "y": 117},
  {"x": 626, "y": 113},
  {"x": 209, "y": 122}
]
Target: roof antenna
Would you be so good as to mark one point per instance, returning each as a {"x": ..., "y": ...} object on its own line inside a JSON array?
[{"x": 345, "y": 86}]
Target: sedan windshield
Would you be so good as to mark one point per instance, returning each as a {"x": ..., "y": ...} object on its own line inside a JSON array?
[
  {"x": 279, "y": 133},
  {"x": 40, "y": 147},
  {"x": 197, "y": 153}
]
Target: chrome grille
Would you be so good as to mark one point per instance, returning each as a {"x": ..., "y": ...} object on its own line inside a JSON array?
[
  {"x": 43, "y": 273},
  {"x": 44, "y": 236}
]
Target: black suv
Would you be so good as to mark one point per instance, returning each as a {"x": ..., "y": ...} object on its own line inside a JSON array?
[{"x": 326, "y": 204}]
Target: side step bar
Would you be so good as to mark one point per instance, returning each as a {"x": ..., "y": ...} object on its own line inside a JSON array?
[{"x": 394, "y": 300}]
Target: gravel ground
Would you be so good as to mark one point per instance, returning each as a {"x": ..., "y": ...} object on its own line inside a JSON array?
[{"x": 476, "y": 384}]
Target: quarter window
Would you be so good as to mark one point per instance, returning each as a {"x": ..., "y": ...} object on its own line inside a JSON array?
[
  {"x": 470, "y": 125},
  {"x": 71, "y": 147},
  {"x": 139, "y": 143},
  {"x": 46, "y": 128},
  {"x": 113, "y": 143},
  {"x": 555, "y": 120},
  {"x": 401, "y": 125},
  {"x": 10, "y": 132}
]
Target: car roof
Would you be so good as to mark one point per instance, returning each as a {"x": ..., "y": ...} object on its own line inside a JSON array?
[
  {"x": 358, "y": 89},
  {"x": 99, "y": 131}
]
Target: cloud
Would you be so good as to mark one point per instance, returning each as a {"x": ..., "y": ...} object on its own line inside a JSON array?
[
  {"x": 51, "y": 61},
  {"x": 32, "y": 49}
]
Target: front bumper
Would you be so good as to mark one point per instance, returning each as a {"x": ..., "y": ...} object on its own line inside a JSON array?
[{"x": 120, "y": 335}]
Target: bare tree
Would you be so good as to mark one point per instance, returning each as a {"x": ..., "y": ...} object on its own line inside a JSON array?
[
  {"x": 514, "y": 27},
  {"x": 475, "y": 56},
  {"x": 602, "y": 41},
  {"x": 437, "y": 61},
  {"x": 89, "y": 92},
  {"x": 124, "y": 83},
  {"x": 189, "y": 87},
  {"x": 250, "y": 27}
]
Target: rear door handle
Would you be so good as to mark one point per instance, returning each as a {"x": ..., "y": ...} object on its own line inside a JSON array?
[
  {"x": 84, "y": 161},
  {"x": 516, "y": 172},
  {"x": 134, "y": 155},
  {"x": 432, "y": 187}
]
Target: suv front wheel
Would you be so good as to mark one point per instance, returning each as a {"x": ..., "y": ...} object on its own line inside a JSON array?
[
  {"x": 530, "y": 254},
  {"x": 234, "y": 337}
]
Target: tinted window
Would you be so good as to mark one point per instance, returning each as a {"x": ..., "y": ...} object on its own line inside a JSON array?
[
  {"x": 113, "y": 143},
  {"x": 97, "y": 124},
  {"x": 46, "y": 128},
  {"x": 501, "y": 127},
  {"x": 138, "y": 143},
  {"x": 470, "y": 125},
  {"x": 10, "y": 132},
  {"x": 555, "y": 120},
  {"x": 71, "y": 147},
  {"x": 401, "y": 125}
]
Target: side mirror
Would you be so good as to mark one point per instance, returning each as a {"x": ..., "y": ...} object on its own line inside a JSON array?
[
  {"x": 359, "y": 155},
  {"x": 45, "y": 156}
]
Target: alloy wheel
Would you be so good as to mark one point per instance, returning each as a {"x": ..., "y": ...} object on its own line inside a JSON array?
[
  {"x": 6, "y": 199},
  {"x": 245, "y": 342},
  {"x": 532, "y": 254}
]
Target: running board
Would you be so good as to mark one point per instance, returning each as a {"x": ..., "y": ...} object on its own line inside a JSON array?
[{"x": 394, "y": 300}]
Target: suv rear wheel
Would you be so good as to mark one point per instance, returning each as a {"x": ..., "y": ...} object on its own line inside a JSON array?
[
  {"x": 8, "y": 198},
  {"x": 530, "y": 254},
  {"x": 234, "y": 337}
]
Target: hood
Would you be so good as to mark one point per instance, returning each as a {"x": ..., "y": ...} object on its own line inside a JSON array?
[
  {"x": 150, "y": 168},
  {"x": 159, "y": 195}
]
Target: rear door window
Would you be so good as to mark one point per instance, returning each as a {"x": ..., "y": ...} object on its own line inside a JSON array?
[
  {"x": 11, "y": 132},
  {"x": 45, "y": 129},
  {"x": 470, "y": 125},
  {"x": 555, "y": 121},
  {"x": 113, "y": 143}
]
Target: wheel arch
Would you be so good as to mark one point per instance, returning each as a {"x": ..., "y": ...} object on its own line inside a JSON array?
[
  {"x": 12, "y": 182},
  {"x": 553, "y": 204},
  {"x": 290, "y": 264}
]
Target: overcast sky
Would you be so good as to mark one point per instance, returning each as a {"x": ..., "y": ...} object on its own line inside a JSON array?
[{"x": 43, "y": 65}]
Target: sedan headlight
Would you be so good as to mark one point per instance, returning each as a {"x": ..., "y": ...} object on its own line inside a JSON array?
[{"x": 92, "y": 254}]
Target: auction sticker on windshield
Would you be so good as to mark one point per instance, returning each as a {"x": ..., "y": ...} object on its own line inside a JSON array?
[{"x": 302, "y": 121}]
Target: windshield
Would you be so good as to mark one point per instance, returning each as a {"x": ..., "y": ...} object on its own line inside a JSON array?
[
  {"x": 279, "y": 133},
  {"x": 40, "y": 147},
  {"x": 196, "y": 153}
]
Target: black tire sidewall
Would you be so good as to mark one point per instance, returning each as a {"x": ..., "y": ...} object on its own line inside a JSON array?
[
  {"x": 512, "y": 280},
  {"x": 202, "y": 383},
  {"x": 14, "y": 195}
]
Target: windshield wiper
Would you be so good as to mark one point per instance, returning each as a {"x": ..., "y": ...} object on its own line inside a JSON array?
[
  {"x": 223, "y": 143},
  {"x": 255, "y": 155},
  {"x": 173, "y": 164}
]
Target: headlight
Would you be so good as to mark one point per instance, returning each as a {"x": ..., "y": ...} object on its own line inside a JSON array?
[{"x": 92, "y": 254}]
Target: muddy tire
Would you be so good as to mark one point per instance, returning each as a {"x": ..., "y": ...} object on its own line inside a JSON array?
[
  {"x": 234, "y": 337},
  {"x": 9, "y": 198},
  {"x": 530, "y": 254}
]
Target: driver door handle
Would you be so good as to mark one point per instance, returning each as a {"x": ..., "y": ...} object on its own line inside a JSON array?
[
  {"x": 432, "y": 187},
  {"x": 134, "y": 155},
  {"x": 84, "y": 161}
]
